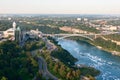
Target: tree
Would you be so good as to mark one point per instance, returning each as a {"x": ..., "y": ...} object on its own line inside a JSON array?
[
  {"x": 62, "y": 71},
  {"x": 4, "y": 78},
  {"x": 16, "y": 64},
  {"x": 69, "y": 76},
  {"x": 77, "y": 73},
  {"x": 56, "y": 67},
  {"x": 73, "y": 73}
]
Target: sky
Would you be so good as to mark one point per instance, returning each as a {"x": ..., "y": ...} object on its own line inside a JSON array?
[{"x": 59, "y": 6}]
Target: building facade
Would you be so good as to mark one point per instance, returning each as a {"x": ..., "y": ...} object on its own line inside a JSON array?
[
  {"x": 18, "y": 35},
  {"x": 13, "y": 33},
  {"x": 10, "y": 32}
]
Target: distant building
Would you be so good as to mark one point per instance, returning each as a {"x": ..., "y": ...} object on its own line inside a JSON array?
[
  {"x": 109, "y": 27},
  {"x": 9, "y": 18},
  {"x": 35, "y": 31},
  {"x": 66, "y": 28},
  {"x": 85, "y": 19},
  {"x": 10, "y": 32},
  {"x": 112, "y": 28},
  {"x": 79, "y": 19},
  {"x": 13, "y": 33}
]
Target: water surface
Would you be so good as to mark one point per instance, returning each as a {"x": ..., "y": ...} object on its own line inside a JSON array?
[{"x": 89, "y": 55}]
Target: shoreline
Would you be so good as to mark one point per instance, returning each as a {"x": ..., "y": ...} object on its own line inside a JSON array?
[{"x": 116, "y": 53}]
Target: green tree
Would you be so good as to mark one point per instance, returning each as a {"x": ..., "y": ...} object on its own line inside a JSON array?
[
  {"x": 4, "y": 78},
  {"x": 56, "y": 67},
  {"x": 62, "y": 71}
]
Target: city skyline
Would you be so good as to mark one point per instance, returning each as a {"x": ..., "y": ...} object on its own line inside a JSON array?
[{"x": 60, "y": 7}]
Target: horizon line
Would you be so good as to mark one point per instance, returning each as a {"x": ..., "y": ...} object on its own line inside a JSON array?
[{"x": 58, "y": 14}]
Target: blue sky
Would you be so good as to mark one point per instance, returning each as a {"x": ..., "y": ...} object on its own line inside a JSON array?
[{"x": 60, "y": 6}]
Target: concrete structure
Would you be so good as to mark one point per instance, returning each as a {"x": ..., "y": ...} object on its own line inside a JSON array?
[
  {"x": 18, "y": 35},
  {"x": 85, "y": 19},
  {"x": 79, "y": 19},
  {"x": 112, "y": 28},
  {"x": 13, "y": 33},
  {"x": 34, "y": 34},
  {"x": 109, "y": 28},
  {"x": 10, "y": 32},
  {"x": 35, "y": 31}
]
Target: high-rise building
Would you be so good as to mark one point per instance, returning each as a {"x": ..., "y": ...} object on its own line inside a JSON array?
[{"x": 18, "y": 35}]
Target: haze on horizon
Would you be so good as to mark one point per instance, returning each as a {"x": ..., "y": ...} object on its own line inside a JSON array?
[{"x": 59, "y": 6}]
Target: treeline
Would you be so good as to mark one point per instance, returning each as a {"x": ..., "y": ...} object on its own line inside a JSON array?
[
  {"x": 64, "y": 56},
  {"x": 76, "y": 24},
  {"x": 87, "y": 28},
  {"x": 115, "y": 37},
  {"x": 16, "y": 64},
  {"x": 63, "y": 72},
  {"x": 4, "y": 24},
  {"x": 59, "y": 69},
  {"x": 105, "y": 44},
  {"x": 114, "y": 22},
  {"x": 44, "y": 29},
  {"x": 108, "y": 45},
  {"x": 31, "y": 45}
]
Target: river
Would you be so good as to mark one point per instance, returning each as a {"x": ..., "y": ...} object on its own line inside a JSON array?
[{"x": 89, "y": 55}]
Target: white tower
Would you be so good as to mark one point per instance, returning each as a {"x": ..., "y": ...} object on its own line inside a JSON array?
[{"x": 14, "y": 25}]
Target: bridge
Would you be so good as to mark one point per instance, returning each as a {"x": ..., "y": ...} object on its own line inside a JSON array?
[
  {"x": 90, "y": 36},
  {"x": 62, "y": 36}
]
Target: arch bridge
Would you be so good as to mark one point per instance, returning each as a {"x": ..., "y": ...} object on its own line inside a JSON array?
[{"x": 62, "y": 36}]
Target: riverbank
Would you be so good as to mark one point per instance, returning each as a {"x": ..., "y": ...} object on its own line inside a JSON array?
[
  {"x": 112, "y": 51},
  {"x": 67, "y": 58},
  {"x": 95, "y": 43},
  {"x": 91, "y": 56},
  {"x": 59, "y": 68},
  {"x": 101, "y": 48}
]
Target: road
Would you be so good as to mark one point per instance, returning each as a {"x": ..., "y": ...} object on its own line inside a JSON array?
[
  {"x": 43, "y": 69},
  {"x": 42, "y": 63},
  {"x": 50, "y": 46}
]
